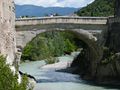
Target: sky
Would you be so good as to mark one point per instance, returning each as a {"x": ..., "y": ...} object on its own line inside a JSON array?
[{"x": 55, "y": 3}]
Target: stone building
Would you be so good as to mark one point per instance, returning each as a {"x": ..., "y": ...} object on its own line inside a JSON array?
[
  {"x": 7, "y": 30},
  {"x": 117, "y": 8}
]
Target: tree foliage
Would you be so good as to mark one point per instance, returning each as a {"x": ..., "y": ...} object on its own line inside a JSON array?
[
  {"x": 49, "y": 44},
  {"x": 98, "y": 8},
  {"x": 8, "y": 81}
]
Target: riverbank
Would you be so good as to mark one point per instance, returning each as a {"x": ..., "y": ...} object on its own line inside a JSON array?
[{"x": 57, "y": 66}]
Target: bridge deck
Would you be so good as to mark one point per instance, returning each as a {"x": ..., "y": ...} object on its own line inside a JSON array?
[{"x": 61, "y": 19}]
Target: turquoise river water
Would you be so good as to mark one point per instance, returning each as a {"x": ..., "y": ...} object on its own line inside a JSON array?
[{"x": 49, "y": 79}]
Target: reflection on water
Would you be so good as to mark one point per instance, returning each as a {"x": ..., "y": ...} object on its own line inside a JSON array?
[{"x": 49, "y": 79}]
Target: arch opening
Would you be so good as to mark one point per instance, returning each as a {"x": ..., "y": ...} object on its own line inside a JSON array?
[{"x": 92, "y": 53}]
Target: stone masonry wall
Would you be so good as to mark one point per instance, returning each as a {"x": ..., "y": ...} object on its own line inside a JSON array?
[
  {"x": 108, "y": 70},
  {"x": 7, "y": 30},
  {"x": 117, "y": 8}
]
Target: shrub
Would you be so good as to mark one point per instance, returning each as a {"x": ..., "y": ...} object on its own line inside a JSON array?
[
  {"x": 51, "y": 60},
  {"x": 108, "y": 56},
  {"x": 8, "y": 81}
]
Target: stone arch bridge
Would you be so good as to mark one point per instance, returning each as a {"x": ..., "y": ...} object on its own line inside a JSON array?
[{"x": 28, "y": 28}]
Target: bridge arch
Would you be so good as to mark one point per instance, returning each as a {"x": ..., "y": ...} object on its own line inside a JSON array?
[{"x": 93, "y": 50}]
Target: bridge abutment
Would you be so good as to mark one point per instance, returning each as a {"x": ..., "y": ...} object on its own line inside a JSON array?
[
  {"x": 109, "y": 67},
  {"x": 113, "y": 40}
]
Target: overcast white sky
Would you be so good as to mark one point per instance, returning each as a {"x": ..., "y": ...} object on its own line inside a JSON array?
[{"x": 52, "y": 3}]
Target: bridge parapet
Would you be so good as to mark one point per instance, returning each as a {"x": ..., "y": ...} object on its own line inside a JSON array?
[{"x": 61, "y": 19}]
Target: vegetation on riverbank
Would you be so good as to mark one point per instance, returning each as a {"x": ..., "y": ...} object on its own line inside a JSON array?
[
  {"x": 50, "y": 44},
  {"x": 9, "y": 80},
  {"x": 98, "y": 8}
]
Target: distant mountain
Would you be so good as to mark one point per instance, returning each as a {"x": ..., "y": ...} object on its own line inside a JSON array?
[{"x": 31, "y": 10}]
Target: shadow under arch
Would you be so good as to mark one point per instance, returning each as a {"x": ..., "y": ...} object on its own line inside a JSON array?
[{"x": 93, "y": 50}]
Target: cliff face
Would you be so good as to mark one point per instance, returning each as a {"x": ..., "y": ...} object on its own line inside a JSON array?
[{"x": 7, "y": 30}]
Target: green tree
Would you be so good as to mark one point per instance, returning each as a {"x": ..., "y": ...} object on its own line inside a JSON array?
[
  {"x": 8, "y": 81},
  {"x": 98, "y": 8},
  {"x": 49, "y": 44},
  {"x": 69, "y": 46}
]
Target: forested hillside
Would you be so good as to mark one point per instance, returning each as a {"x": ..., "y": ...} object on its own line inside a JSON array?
[{"x": 98, "y": 8}]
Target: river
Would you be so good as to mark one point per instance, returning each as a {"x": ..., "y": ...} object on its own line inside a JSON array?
[{"x": 48, "y": 78}]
